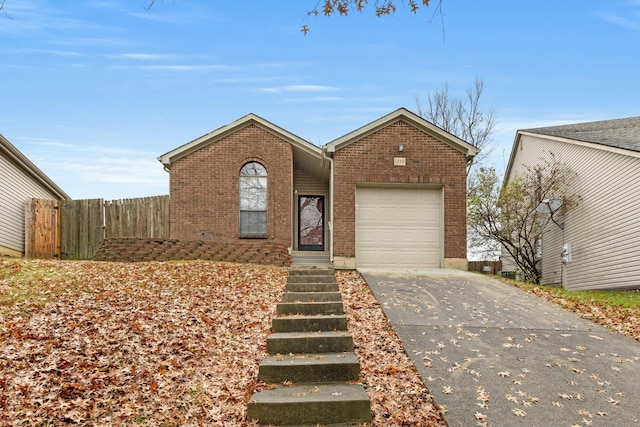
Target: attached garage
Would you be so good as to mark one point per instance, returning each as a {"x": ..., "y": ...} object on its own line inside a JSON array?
[
  {"x": 399, "y": 227},
  {"x": 390, "y": 194}
]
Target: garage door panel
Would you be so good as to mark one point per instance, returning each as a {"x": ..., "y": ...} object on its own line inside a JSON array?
[{"x": 398, "y": 227}]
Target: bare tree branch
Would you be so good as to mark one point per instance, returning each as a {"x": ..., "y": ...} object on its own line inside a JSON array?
[
  {"x": 463, "y": 117},
  {"x": 508, "y": 216},
  {"x": 4, "y": 10},
  {"x": 151, "y": 3}
]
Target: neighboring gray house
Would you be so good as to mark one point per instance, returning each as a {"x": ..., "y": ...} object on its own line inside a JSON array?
[
  {"x": 20, "y": 180},
  {"x": 602, "y": 233}
]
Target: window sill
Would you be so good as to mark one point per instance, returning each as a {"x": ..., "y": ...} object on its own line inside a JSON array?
[{"x": 253, "y": 236}]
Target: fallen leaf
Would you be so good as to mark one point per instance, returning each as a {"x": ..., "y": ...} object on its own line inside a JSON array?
[
  {"x": 519, "y": 412},
  {"x": 511, "y": 398}
]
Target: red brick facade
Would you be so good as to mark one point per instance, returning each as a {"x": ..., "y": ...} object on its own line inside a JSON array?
[
  {"x": 205, "y": 177},
  {"x": 428, "y": 161},
  {"x": 204, "y": 187}
]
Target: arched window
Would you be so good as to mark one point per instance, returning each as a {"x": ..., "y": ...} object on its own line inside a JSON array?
[{"x": 253, "y": 200}]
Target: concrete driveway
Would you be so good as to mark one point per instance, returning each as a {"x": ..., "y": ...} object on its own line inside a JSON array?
[{"x": 497, "y": 356}]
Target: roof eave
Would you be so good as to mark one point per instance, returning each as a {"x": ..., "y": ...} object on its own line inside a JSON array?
[
  {"x": 512, "y": 157},
  {"x": 168, "y": 158},
  {"x": 31, "y": 168},
  {"x": 403, "y": 114}
]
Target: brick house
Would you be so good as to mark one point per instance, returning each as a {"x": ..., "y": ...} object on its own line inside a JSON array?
[{"x": 391, "y": 194}]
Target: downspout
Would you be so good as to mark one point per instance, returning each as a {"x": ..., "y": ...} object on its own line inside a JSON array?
[{"x": 325, "y": 157}]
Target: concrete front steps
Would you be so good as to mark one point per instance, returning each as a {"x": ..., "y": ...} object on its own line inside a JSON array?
[
  {"x": 310, "y": 258},
  {"x": 311, "y": 361}
]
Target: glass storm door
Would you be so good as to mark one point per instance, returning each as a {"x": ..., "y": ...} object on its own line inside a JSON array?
[{"x": 311, "y": 223}]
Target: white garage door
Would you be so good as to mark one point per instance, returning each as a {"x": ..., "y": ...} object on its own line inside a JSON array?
[{"x": 398, "y": 228}]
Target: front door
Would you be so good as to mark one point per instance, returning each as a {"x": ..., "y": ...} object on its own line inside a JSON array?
[{"x": 311, "y": 223}]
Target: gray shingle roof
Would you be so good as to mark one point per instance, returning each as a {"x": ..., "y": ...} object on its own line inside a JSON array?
[{"x": 619, "y": 133}]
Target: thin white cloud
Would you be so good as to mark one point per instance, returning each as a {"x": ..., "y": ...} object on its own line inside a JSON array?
[
  {"x": 30, "y": 17},
  {"x": 91, "y": 41},
  {"x": 621, "y": 21},
  {"x": 298, "y": 88},
  {"x": 312, "y": 99},
  {"x": 177, "y": 67},
  {"x": 30, "y": 51},
  {"x": 44, "y": 143},
  {"x": 627, "y": 18},
  {"x": 96, "y": 164},
  {"x": 256, "y": 79},
  {"x": 145, "y": 56}
]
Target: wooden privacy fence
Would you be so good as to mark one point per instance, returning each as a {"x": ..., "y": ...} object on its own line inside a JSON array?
[
  {"x": 81, "y": 228},
  {"x": 42, "y": 235},
  {"x": 486, "y": 267},
  {"x": 83, "y": 224},
  {"x": 144, "y": 217}
]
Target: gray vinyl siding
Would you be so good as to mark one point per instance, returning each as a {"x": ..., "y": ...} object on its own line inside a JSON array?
[
  {"x": 507, "y": 262},
  {"x": 16, "y": 188},
  {"x": 604, "y": 229}
]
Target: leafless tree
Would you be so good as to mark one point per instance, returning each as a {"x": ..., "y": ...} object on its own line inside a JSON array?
[{"x": 463, "y": 117}]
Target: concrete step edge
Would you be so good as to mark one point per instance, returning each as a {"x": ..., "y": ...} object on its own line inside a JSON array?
[
  {"x": 310, "y": 368},
  {"x": 311, "y": 279},
  {"x": 311, "y": 404},
  {"x": 333, "y": 307},
  {"x": 311, "y": 297},
  {"x": 311, "y": 287},
  {"x": 309, "y": 342},
  {"x": 309, "y": 323},
  {"x": 309, "y": 271}
]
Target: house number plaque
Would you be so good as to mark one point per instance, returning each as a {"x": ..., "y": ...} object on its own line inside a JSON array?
[{"x": 399, "y": 161}]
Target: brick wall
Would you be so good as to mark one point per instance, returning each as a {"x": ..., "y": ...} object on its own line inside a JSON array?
[
  {"x": 142, "y": 249},
  {"x": 428, "y": 161},
  {"x": 204, "y": 187}
]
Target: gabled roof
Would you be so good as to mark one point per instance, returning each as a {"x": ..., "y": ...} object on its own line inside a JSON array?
[
  {"x": 300, "y": 145},
  {"x": 405, "y": 115},
  {"x": 30, "y": 169},
  {"x": 619, "y": 133}
]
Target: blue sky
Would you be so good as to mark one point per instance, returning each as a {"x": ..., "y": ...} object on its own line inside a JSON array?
[{"x": 94, "y": 91}]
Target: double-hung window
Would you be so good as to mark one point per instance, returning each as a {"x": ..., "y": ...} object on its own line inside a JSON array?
[{"x": 253, "y": 200}]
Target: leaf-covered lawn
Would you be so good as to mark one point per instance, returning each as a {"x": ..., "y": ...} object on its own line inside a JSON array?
[
  {"x": 108, "y": 344},
  {"x": 168, "y": 344},
  {"x": 616, "y": 310}
]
